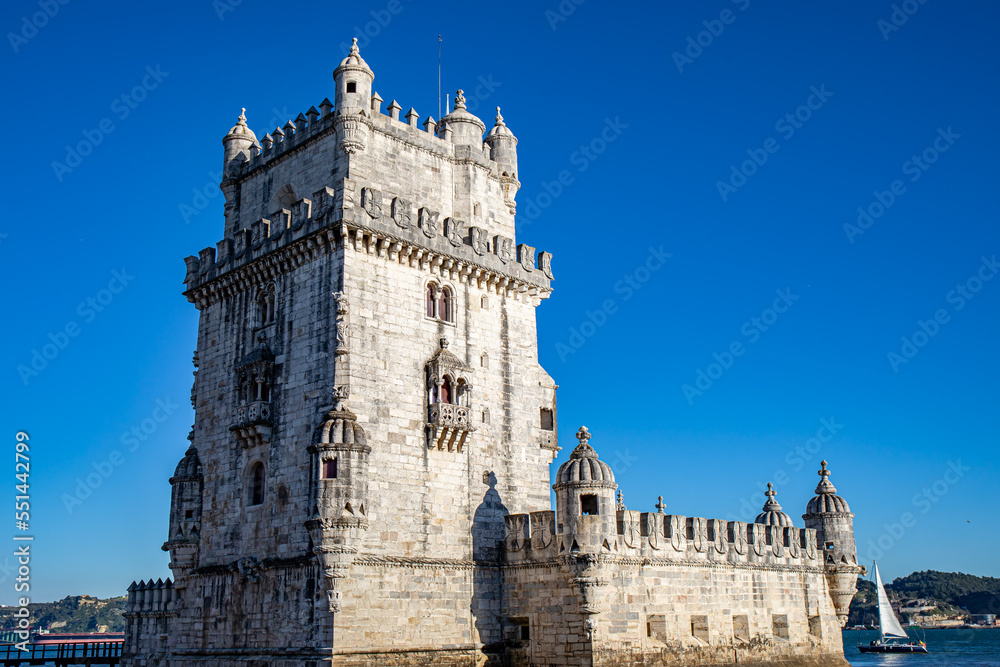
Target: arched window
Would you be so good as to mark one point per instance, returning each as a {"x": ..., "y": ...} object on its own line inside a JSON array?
[
  {"x": 265, "y": 306},
  {"x": 446, "y": 309},
  {"x": 446, "y": 395},
  {"x": 431, "y": 299},
  {"x": 256, "y": 491}
]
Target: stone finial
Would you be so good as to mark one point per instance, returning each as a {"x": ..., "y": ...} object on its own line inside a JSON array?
[
  {"x": 620, "y": 501},
  {"x": 242, "y": 120},
  {"x": 459, "y": 99},
  {"x": 825, "y": 485},
  {"x": 354, "y": 47},
  {"x": 771, "y": 505},
  {"x": 394, "y": 110},
  {"x": 583, "y": 435},
  {"x": 444, "y": 343},
  {"x": 659, "y": 505},
  {"x": 499, "y": 120}
]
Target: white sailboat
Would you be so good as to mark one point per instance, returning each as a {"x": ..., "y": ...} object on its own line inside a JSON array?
[{"x": 891, "y": 634}]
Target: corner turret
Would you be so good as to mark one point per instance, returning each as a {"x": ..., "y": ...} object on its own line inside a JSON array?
[
  {"x": 503, "y": 151},
  {"x": 833, "y": 520},
  {"x": 339, "y": 480},
  {"x": 585, "y": 500},
  {"x": 185, "y": 516},
  {"x": 465, "y": 129},
  {"x": 353, "y": 80},
  {"x": 237, "y": 144}
]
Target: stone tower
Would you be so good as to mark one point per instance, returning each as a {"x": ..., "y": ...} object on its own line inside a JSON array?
[
  {"x": 368, "y": 400},
  {"x": 833, "y": 520}
]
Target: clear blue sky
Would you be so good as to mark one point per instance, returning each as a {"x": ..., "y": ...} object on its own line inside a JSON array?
[{"x": 678, "y": 125}]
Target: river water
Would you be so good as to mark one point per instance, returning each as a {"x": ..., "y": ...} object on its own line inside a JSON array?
[{"x": 946, "y": 648}]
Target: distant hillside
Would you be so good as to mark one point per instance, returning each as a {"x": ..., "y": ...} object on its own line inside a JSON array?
[
  {"x": 950, "y": 591},
  {"x": 77, "y": 613}
]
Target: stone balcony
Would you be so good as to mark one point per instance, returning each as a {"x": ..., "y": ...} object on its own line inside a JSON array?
[
  {"x": 253, "y": 423},
  {"x": 448, "y": 426}
]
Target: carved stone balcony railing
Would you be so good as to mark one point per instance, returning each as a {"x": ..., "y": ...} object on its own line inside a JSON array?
[
  {"x": 253, "y": 423},
  {"x": 448, "y": 426}
]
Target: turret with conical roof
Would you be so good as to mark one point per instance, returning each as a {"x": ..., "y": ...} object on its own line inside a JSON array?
[
  {"x": 354, "y": 81},
  {"x": 466, "y": 129},
  {"x": 238, "y": 143},
  {"x": 503, "y": 151},
  {"x": 833, "y": 520},
  {"x": 184, "y": 535},
  {"x": 585, "y": 499}
]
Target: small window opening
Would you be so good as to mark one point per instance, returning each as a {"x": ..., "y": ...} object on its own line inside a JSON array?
[
  {"x": 815, "y": 627},
  {"x": 431, "y": 299},
  {"x": 828, "y": 546},
  {"x": 779, "y": 624},
  {"x": 189, "y": 514},
  {"x": 525, "y": 632},
  {"x": 547, "y": 420},
  {"x": 588, "y": 504},
  {"x": 330, "y": 469},
  {"x": 484, "y": 303},
  {"x": 484, "y": 360},
  {"x": 475, "y": 209},
  {"x": 699, "y": 628},
  {"x": 741, "y": 628},
  {"x": 446, "y": 305},
  {"x": 656, "y": 627},
  {"x": 486, "y": 415},
  {"x": 257, "y": 484},
  {"x": 352, "y": 87}
]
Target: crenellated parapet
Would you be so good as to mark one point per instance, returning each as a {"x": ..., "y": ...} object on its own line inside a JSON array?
[
  {"x": 149, "y": 598},
  {"x": 361, "y": 218},
  {"x": 535, "y": 537}
]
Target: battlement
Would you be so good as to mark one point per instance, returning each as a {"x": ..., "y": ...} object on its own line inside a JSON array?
[
  {"x": 352, "y": 215},
  {"x": 149, "y": 597},
  {"x": 430, "y": 135},
  {"x": 651, "y": 535}
]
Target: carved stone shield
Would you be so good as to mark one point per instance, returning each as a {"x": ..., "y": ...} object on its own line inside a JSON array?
[
  {"x": 545, "y": 264},
  {"x": 526, "y": 257},
  {"x": 427, "y": 220},
  {"x": 541, "y": 529},
  {"x": 453, "y": 231},
  {"x": 516, "y": 532},
  {"x": 478, "y": 239},
  {"x": 654, "y": 530},
  {"x": 504, "y": 248},
  {"x": 678, "y": 531},
  {"x": 371, "y": 201},
  {"x": 400, "y": 212},
  {"x": 739, "y": 537}
]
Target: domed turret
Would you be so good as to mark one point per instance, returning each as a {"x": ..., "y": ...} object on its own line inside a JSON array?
[
  {"x": 467, "y": 130},
  {"x": 354, "y": 81},
  {"x": 184, "y": 533},
  {"x": 503, "y": 151},
  {"x": 585, "y": 499},
  {"x": 239, "y": 140},
  {"x": 772, "y": 514},
  {"x": 830, "y": 515}
]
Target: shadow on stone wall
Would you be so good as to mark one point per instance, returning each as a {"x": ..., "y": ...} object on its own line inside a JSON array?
[{"x": 487, "y": 538}]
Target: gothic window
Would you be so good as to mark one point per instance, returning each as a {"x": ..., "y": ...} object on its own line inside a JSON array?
[
  {"x": 265, "y": 306},
  {"x": 445, "y": 392},
  {"x": 431, "y": 299},
  {"x": 446, "y": 305},
  {"x": 547, "y": 419},
  {"x": 330, "y": 469},
  {"x": 256, "y": 490},
  {"x": 588, "y": 504}
]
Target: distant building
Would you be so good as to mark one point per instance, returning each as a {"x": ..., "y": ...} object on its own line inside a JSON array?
[
  {"x": 983, "y": 619},
  {"x": 368, "y": 477}
]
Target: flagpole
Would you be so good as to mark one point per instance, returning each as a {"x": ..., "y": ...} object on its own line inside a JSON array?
[{"x": 439, "y": 77}]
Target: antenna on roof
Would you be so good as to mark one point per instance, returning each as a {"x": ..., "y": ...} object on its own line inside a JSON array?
[{"x": 439, "y": 76}]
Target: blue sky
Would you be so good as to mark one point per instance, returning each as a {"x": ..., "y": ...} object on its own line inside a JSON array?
[{"x": 738, "y": 138}]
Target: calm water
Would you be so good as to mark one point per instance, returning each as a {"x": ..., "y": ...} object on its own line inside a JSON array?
[{"x": 947, "y": 648}]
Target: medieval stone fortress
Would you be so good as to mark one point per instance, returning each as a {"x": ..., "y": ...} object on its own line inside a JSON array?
[{"x": 368, "y": 479}]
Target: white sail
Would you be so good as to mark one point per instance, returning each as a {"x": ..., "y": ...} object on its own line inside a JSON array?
[{"x": 887, "y": 622}]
